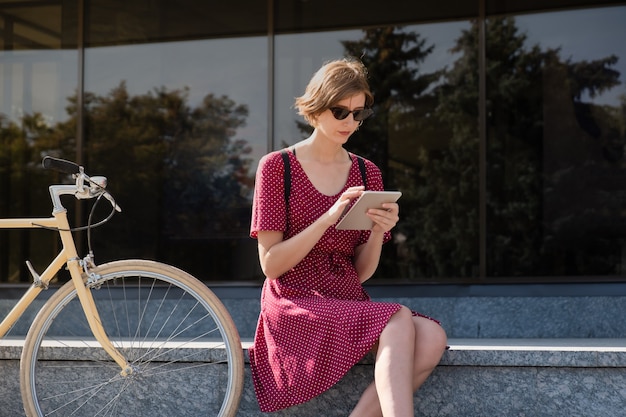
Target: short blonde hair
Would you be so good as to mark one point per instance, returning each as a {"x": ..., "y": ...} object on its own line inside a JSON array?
[{"x": 333, "y": 82}]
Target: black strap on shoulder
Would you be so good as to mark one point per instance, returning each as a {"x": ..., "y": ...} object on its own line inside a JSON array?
[
  {"x": 287, "y": 176},
  {"x": 362, "y": 169}
]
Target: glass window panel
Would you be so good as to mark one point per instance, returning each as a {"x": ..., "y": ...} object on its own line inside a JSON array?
[
  {"x": 118, "y": 22},
  {"x": 38, "y": 80},
  {"x": 176, "y": 116},
  {"x": 302, "y": 15},
  {"x": 557, "y": 136},
  {"x": 177, "y": 127},
  {"x": 423, "y": 138},
  {"x": 533, "y": 6}
]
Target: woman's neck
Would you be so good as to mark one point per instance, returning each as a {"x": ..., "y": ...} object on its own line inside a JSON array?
[{"x": 316, "y": 148}]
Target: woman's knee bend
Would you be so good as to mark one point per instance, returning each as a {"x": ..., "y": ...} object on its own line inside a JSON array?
[
  {"x": 440, "y": 339},
  {"x": 431, "y": 335}
]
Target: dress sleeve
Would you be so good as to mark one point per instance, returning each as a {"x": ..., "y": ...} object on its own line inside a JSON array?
[
  {"x": 374, "y": 183},
  {"x": 268, "y": 205}
]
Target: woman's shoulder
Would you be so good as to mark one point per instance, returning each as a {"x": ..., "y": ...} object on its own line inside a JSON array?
[
  {"x": 271, "y": 160},
  {"x": 369, "y": 165}
]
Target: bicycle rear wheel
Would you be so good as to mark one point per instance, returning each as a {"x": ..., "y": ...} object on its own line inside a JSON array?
[{"x": 182, "y": 344}]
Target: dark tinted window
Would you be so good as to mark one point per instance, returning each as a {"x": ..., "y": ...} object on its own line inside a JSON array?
[
  {"x": 556, "y": 143},
  {"x": 176, "y": 117},
  {"x": 302, "y": 15},
  {"x": 38, "y": 73}
]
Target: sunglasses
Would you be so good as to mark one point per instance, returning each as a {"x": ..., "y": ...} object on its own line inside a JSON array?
[{"x": 359, "y": 115}]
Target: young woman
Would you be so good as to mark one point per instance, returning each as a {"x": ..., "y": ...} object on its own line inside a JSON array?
[{"x": 316, "y": 319}]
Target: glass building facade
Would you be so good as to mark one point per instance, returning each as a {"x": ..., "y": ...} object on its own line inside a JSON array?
[{"x": 503, "y": 123}]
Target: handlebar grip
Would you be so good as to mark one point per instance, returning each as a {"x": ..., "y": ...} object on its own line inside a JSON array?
[{"x": 61, "y": 165}]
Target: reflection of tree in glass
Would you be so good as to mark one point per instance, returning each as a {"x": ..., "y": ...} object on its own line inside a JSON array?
[
  {"x": 540, "y": 139},
  {"x": 424, "y": 136},
  {"x": 23, "y": 193},
  {"x": 175, "y": 170},
  {"x": 585, "y": 171},
  {"x": 210, "y": 200},
  {"x": 392, "y": 57}
]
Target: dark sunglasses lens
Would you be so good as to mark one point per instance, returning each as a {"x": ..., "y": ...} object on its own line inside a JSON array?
[
  {"x": 360, "y": 115},
  {"x": 339, "y": 113}
]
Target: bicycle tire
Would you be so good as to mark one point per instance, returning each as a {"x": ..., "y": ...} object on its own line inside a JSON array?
[{"x": 182, "y": 344}]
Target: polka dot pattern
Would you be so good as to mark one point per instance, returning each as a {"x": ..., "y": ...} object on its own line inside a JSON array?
[{"x": 316, "y": 320}]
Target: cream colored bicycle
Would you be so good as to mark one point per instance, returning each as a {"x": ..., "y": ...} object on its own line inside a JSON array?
[{"x": 126, "y": 338}]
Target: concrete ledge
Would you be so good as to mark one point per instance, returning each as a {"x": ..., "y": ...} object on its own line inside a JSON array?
[
  {"x": 476, "y": 378},
  {"x": 579, "y": 353},
  {"x": 496, "y": 378}
]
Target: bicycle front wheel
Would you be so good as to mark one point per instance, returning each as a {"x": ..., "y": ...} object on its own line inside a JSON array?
[{"x": 182, "y": 345}]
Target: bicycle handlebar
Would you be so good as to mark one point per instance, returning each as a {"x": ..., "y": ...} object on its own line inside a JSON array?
[
  {"x": 60, "y": 165},
  {"x": 79, "y": 190}
]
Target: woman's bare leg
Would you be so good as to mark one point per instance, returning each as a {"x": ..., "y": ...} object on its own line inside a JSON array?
[
  {"x": 429, "y": 345},
  {"x": 394, "y": 362}
]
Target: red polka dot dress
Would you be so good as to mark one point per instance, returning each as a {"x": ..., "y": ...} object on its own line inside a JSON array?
[{"x": 316, "y": 320}]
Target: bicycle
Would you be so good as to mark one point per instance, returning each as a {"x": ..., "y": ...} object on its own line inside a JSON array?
[{"x": 151, "y": 337}]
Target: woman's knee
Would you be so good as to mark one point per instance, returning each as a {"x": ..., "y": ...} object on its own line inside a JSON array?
[
  {"x": 401, "y": 321},
  {"x": 403, "y": 316},
  {"x": 430, "y": 337}
]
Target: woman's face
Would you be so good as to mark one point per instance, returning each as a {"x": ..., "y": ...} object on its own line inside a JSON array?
[{"x": 338, "y": 131}]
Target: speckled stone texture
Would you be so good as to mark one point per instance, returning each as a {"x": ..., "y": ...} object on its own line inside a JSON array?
[
  {"x": 524, "y": 375},
  {"x": 476, "y": 378},
  {"x": 493, "y": 378}
]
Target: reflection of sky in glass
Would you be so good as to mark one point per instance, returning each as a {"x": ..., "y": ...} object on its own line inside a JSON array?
[
  {"x": 235, "y": 67},
  {"x": 37, "y": 81},
  {"x": 590, "y": 34}
]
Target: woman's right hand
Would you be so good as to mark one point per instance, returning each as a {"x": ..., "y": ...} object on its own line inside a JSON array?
[{"x": 334, "y": 213}]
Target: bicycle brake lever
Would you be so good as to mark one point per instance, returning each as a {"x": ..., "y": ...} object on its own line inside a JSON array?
[
  {"x": 113, "y": 203},
  {"x": 99, "y": 183}
]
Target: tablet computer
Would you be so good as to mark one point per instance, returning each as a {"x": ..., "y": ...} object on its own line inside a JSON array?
[{"x": 356, "y": 219}]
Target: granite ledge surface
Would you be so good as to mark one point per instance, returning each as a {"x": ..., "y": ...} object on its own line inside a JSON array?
[{"x": 585, "y": 353}]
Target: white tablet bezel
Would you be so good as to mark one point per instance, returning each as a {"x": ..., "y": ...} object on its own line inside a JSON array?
[{"x": 356, "y": 219}]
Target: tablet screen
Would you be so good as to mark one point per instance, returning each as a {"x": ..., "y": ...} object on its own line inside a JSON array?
[{"x": 356, "y": 219}]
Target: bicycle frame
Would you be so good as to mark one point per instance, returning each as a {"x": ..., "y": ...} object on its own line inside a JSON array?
[{"x": 68, "y": 256}]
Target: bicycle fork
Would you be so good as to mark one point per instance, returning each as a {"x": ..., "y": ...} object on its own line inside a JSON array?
[
  {"x": 93, "y": 318},
  {"x": 85, "y": 297}
]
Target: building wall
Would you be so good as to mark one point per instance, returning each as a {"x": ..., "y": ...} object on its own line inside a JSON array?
[{"x": 504, "y": 130}]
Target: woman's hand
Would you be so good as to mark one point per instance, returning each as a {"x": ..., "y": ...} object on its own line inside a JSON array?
[
  {"x": 367, "y": 255},
  {"x": 334, "y": 213},
  {"x": 384, "y": 219}
]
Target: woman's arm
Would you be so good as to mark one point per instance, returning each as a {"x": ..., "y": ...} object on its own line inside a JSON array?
[
  {"x": 367, "y": 256},
  {"x": 278, "y": 256}
]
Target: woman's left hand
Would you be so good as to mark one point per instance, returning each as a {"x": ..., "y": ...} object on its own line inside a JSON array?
[{"x": 386, "y": 218}]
